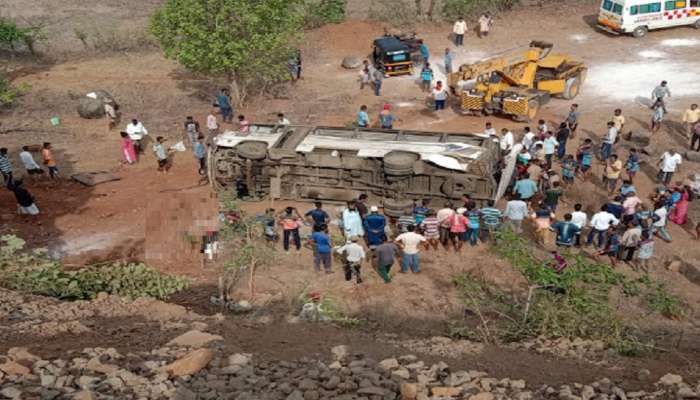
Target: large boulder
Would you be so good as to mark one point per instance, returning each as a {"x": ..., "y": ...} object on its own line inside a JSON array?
[
  {"x": 351, "y": 62},
  {"x": 89, "y": 107}
]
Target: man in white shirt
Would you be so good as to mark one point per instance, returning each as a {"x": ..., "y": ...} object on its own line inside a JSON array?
[
  {"x": 606, "y": 149},
  {"x": 659, "y": 226},
  {"x": 136, "y": 132},
  {"x": 580, "y": 219},
  {"x": 29, "y": 164},
  {"x": 409, "y": 242},
  {"x": 459, "y": 28},
  {"x": 528, "y": 138},
  {"x": 600, "y": 223},
  {"x": 282, "y": 120},
  {"x": 668, "y": 164},
  {"x": 354, "y": 255},
  {"x": 506, "y": 141},
  {"x": 549, "y": 145},
  {"x": 516, "y": 211}
]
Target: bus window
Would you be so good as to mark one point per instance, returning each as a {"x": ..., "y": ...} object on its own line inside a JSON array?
[
  {"x": 647, "y": 8},
  {"x": 674, "y": 5},
  {"x": 634, "y": 10},
  {"x": 695, "y": 3},
  {"x": 607, "y": 5},
  {"x": 617, "y": 9}
]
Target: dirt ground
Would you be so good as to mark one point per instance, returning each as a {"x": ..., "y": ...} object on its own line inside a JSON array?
[{"x": 152, "y": 217}]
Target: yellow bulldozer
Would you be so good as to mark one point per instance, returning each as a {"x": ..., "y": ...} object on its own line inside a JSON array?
[{"x": 517, "y": 82}]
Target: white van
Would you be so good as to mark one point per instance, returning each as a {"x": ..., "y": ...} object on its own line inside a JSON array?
[{"x": 640, "y": 16}]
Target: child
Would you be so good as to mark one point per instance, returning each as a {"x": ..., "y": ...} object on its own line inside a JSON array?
[
  {"x": 612, "y": 246},
  {"x": 568, "y": 169},
  {"x": 584, "y": 153},
  {"x": 426, "y": 76},
  {"x": 161, "y": 154},
  {"x": 646, "y": 251},
  {"x": 632, "y": 164},
  {"x": 243, "y": 125},
  {"x": 49, "y": 161},
  {"x": 268, "y": 221}
]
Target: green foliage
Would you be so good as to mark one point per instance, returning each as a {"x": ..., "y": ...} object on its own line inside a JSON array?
[
  {"x": 10, "y": 93},
  {"x": 322, "y": 12},
  {"x": 573, "y": 303},
  {"x": 33, "y": 272},
  {"x": 12, "y": 35},
  {"x": 389, "y": 11},
  {"x": 453, "y": 9},
  {"x": 250, "y": 42}
]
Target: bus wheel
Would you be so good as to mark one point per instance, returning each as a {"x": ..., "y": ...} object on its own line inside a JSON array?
[
  {"x": 697, "y": 24},
  {"x": 640, "y": 31}
]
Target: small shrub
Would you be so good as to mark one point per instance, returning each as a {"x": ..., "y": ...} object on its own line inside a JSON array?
[
  {"x": 10, "y": 93},
  {"x": 321, "y": 12},
  {"x": 403, "y": 15},
  {"x": 452, "y": 9},
  {"x": 12, "y": 35},
  {"x": 33, "y": 272}
]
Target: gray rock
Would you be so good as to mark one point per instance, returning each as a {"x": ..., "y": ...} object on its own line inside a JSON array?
[
  {"x": 686, "y": 393},
  {"x": 619, "y": 393},
  {"x": 48, "y": 380},
  {"x": 372, "y": 390},
  {"x": 457, "y": 378},
  {"x": 332, "y": 383},
  {"x": 643, "y": 374},
  {"x": 587, "y": 393},
  {"x": 11, "y": 393},
  {"x": 671, "y": 379},
  {"x": 311, "y": 395},
  {"x": 389, "y": 363},
  {"x": 94, "y": 108},
  {"x": 401, "y": 373},
  {"x": 49, "y": 394},
  {"x": 87, "y": 382},
  {"x": 351, "y": 62},
  {"x": 340, "y": 353},
  {"x": 296, "y": 395},
  {"x": 307, "y": 384}
]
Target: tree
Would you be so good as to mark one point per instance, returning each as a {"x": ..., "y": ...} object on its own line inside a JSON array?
[{"x": 249, "y": 42}]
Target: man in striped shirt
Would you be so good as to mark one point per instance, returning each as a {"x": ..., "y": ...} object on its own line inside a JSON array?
[
  {"x": 491, "y": 216},
  {"x": 5, "y": 167},
  {"x": 431, "y": 229}
]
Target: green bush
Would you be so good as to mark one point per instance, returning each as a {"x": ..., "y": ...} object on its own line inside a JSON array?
[
  {"x": 321, "y": 12},
  {"x": 453, "y": 9},
  {"x": 9, "y": 93},
  {"x": 33, "y": 272},
  {"x": 12, "y": 35}
]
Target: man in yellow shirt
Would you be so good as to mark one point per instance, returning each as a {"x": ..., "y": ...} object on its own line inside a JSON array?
[
  {"x": 690, "y": 117},
  {"x": 613, "y": 169}
]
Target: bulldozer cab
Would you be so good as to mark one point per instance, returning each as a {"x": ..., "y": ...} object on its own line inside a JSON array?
[{"x": 392, "y": 55}]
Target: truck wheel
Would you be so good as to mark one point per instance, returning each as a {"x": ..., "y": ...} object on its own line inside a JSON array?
[
  {"x": 396, "y": 208},
  {"x": 399, "y": 163},
  {"x": 573, "y": 85},
  {"x": 252, "y": 150},
  {"x": 640, "y": 31}
]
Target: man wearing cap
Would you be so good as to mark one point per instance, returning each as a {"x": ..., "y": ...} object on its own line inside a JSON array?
[
  {"x": 374, "y": 226},
  {"x": 354, "y": 254}
]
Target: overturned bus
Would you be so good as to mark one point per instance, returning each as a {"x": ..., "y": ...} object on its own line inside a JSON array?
[{"x": 393, "y": 167}]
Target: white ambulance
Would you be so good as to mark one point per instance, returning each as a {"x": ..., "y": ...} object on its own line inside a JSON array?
[{"x": 637, "y": 17}]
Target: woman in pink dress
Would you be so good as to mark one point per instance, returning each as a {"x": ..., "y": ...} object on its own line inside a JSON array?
[
  {"x": 128, "y": 149},
  {"x": 680, "y": 212}
]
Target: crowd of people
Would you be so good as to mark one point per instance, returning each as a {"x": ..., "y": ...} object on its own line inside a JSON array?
[{"x": 26, "y": 204}]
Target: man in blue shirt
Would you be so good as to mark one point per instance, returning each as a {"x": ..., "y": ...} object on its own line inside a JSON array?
[
  {"x": 374, "y": 225},
  {"x": 525, "y": 188},
  {"x": 363, "y": 117},
  {"x": 318, "y": 215},
  {"x": 566, "y": 231},
  {"x": 448, "y": 61},
  {"x": 322, "y": 248},
  {"x": 424, "y": 53},
  {"x": 224, "y": 102}
]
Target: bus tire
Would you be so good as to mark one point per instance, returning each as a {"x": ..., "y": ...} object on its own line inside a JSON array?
[
  {"x": 696, "y": 25},
  {"x": 640, "y": 31}
]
